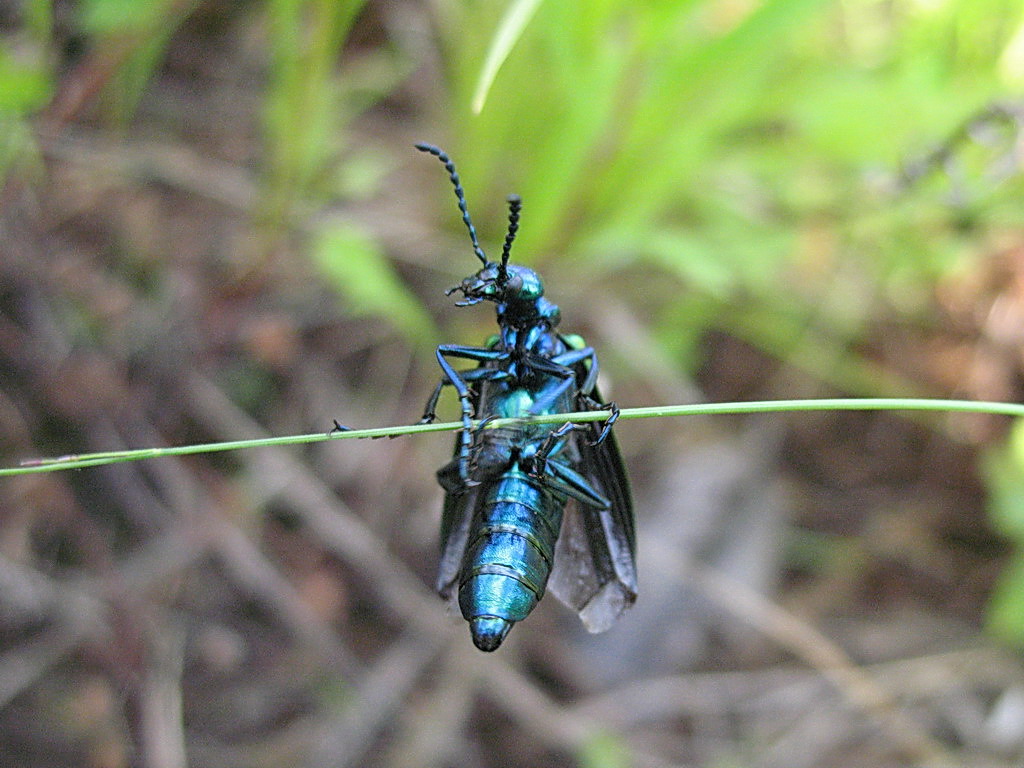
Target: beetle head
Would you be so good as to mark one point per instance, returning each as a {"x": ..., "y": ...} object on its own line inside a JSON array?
[{"x": 517, "y": 290}]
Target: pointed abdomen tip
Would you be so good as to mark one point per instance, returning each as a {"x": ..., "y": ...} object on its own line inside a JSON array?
[{"x": 489, "y": 631}]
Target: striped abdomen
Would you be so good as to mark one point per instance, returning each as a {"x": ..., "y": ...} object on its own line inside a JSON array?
[{"x": 509, "y": 555}]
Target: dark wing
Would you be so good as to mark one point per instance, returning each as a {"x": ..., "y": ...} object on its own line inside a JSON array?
[
  {"x": 595, "y": 568},
  {"x": 456, "y": 518}
]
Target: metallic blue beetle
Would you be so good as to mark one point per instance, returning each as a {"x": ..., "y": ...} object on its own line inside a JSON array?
[{"x": 506, "y": 532}]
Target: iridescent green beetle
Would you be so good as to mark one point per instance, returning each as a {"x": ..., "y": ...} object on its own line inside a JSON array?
[{"x": 508, "y": 531}]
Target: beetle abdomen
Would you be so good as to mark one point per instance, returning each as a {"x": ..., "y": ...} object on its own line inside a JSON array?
[{"x": 509, "y": 557}]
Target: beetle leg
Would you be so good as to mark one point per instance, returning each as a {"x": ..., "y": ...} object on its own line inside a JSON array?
[
  {"x": 473, "y": 456},
  {"x": 537, "y": 463},
  {"x": 339, "y": 428},
  {"x": 479, "y": 354},
  {"x": 458, "y": 380},
  {"x": 429, "y": 414},
  {"x": 574, "y": 357},
  {"x": 606, "y": 426},
  {"x": 564, "y": 478},
  {"x": 565, "y": 376}
]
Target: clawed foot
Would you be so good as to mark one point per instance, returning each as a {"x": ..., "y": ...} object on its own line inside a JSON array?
[
  {"x": 338, "y": 428},
  {"x": 537, "y": 467},
  {"x": 614, "y": 411}
]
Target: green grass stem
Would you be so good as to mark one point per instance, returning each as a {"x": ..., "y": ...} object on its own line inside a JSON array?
[{"x": 79, "y": 461}]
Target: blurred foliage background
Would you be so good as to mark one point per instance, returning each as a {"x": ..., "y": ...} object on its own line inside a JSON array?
[{"x": 213, "y": 226}]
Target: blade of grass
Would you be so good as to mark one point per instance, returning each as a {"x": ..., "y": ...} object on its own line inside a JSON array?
[
  {"x": 79, "y": 461},
  {"x": 303, "y": 117},
  {"x": 509, "y": 31}
]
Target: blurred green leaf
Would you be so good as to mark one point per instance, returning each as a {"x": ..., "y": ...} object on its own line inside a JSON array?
[
  {"x": 38, "y": 15},
  {"x": 25, "y": 87},
  {"x": 304, "y": 115},
  {"x": 753, "y": 151},
  {"x": 355, "y": 265},
  {"x": 1003, "y": 468},
  {"x": 18, "y": 147},
  {"x": 604, "y": 750},
  {"x": 1006, "y": 607},
  {"x": 511, "y": 28},
  {"x": 134, "y": 36},
  {"x": 102, "y": 17}
]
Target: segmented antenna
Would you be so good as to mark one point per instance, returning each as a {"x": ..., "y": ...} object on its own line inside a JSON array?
[
  {"x": 459, "y": 194},
  {"x": 515, "y": 205}
]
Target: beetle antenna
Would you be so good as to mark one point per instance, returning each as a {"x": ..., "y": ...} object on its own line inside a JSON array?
[
  {"x": 515, "y": 205},
  {"x": 460, "y": 195}
]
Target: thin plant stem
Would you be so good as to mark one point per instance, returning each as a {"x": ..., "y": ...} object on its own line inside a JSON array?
[{"x": 79, "y": 461}]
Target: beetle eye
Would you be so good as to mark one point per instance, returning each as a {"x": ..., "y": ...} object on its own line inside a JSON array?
[{"x": 514, "y": 286}]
